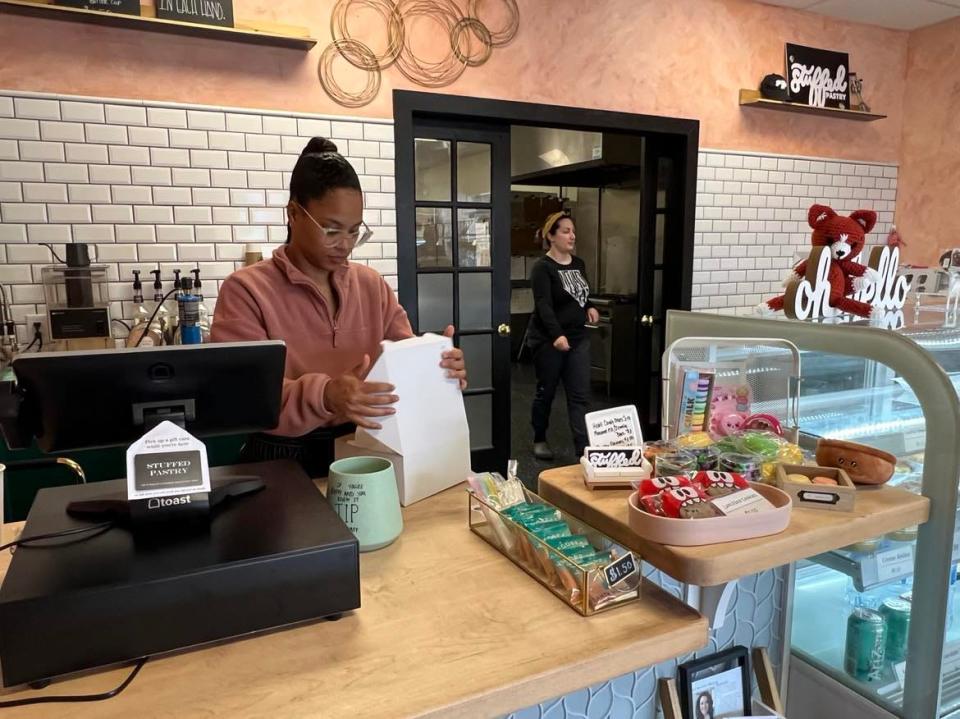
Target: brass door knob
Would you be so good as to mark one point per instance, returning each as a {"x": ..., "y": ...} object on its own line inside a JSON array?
[
  {"x": 503, "y": 330},
  {"x": 646, "y": 321}
]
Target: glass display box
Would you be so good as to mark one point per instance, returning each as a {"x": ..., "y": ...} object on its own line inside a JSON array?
[{"x": 874, "y": 628}]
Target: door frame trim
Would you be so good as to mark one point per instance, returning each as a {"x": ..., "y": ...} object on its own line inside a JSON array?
[{"x": 409, "y": 104}]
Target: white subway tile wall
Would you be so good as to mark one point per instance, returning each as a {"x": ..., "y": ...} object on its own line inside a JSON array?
[
  {"x": 150, "y": 185},
  {"x": 751, "y": 221}
]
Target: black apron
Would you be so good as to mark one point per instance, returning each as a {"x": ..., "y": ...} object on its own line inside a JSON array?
[{"x": 313, "y": 451}]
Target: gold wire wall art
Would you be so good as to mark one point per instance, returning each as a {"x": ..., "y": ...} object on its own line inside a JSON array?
[{"x": 470, "y": 43}]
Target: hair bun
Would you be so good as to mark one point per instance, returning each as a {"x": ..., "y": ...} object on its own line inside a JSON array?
[{"x": 317, "y": 145}]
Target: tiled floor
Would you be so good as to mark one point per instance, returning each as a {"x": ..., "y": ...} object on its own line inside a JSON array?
[{"x": 523, "y": 386}]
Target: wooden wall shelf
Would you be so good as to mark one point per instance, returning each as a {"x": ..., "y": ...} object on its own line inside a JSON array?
[
  {"x": 250, "y": 32},
  {"x": 752, "y": 98}
]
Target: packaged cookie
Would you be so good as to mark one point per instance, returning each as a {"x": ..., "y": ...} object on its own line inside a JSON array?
[
  {"x": 655, "y": 485},
  {"x": 718, "y": 484},
  {"x": 686, "y": 503}
]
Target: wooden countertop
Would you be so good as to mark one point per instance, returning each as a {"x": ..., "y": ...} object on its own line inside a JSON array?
[
  {"x": 810, "y": 532},
  {"x": 448, "y": 628}
]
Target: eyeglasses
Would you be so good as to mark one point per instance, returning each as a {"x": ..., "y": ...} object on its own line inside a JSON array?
[{"x": 336, "y": 237}]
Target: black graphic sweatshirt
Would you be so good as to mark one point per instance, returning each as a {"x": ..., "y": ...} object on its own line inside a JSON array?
[{"x": 560, "y": 296}]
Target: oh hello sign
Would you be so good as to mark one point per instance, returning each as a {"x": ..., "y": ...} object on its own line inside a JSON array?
[
  {"x": 818, "y": 77},
  {"x": 809, "y": 297}
]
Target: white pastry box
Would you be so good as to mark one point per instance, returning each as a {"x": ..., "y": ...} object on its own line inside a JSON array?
[{"x": 427, "y": 440}]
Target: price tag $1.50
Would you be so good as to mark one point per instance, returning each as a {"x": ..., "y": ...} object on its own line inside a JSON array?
[{"x": 621, "y": 568}]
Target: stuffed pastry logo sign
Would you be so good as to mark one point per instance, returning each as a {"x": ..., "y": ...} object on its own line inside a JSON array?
[{"x": 818, "y": 77}]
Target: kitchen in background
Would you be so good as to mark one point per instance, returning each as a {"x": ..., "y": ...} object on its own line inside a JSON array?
[{"x": 597, "y": 177}]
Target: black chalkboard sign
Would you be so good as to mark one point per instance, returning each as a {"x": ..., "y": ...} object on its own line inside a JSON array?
[
  {"x": 620, "y": 569},
  {"x": 201, "y": 12},
  {"x": 818, "y": 77},
  {"x": 125, "y": 7}
]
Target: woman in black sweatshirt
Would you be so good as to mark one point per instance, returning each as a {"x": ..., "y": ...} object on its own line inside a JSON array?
[{"x": 557, "y": 337}]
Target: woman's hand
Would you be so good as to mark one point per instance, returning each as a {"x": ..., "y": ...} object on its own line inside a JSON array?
[
  {"x": 453, "y": 361},
  {"x": 562, "y": 344},
  {"x": 350, "y": 397},
  {"x": 592, "y": 315}
]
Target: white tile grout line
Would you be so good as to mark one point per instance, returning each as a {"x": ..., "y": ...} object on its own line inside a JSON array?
[
  {"x": 190, "y": 106},
  {"x": 815, "y": 158}
]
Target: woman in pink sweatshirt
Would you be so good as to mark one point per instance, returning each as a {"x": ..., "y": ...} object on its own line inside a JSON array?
[{"x": 331, "y": 313}]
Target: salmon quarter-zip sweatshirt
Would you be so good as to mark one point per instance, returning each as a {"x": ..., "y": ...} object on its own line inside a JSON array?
[{"x": 274, "y": 300}]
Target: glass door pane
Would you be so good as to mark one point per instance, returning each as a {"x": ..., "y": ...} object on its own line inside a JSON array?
[
  {"x": 434, "y": 237},
  {"x": 432, "y": 170},
  {"x": 435, "y": 301},
  {"x": 473, "y": 237},
  {"x": 475, "y": 304},
  {"x": 473, "y": 172}
]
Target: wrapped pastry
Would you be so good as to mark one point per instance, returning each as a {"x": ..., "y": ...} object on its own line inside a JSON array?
[
  {"x": 655, "y": 485},
  {"x": 718, "y": 484},
  {"x": 686, "y": 503}
]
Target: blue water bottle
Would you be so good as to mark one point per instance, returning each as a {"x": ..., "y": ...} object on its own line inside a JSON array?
[{"x": 189, "y": 313}]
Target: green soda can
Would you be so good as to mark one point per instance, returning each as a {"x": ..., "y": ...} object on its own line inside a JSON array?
[
  {"x": 896, "y": 616},
  {"x": 866, "y": 644}
]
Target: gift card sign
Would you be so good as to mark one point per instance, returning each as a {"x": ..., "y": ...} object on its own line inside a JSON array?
[
  {"x": 614, "y": 427},
  {"x": 167, "y": 461}
]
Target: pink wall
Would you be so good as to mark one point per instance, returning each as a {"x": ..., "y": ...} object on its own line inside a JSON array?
[
  {"x": 685, "y": 58},
  {"x": 928, "y": 196}
]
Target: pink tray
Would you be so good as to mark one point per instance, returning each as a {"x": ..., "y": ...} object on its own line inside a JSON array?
[{"x": 713, "y": 530}]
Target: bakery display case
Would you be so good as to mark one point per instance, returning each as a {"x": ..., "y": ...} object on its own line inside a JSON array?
[
  {"x": 874, "y": 628},
  {"x": 849, "y": 593}
]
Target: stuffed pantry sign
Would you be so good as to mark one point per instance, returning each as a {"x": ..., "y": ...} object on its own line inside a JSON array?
[{"x": 818, "y": 77}]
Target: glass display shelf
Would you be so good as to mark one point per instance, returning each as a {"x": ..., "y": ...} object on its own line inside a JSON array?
[
  {"x": 859, "y": 400},
  {"x": 825, "y": 598}
]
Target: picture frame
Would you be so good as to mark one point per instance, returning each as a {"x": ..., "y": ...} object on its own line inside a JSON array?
[{"x": 723, "y": 678}]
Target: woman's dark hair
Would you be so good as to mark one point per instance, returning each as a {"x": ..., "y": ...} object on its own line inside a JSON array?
[
  {"x": 319, "y": 169},
  {"x": 563, "y": 214},
  {"x": 697, "y": 705}
]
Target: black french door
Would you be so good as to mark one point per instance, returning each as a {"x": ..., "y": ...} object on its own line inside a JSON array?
[{"x": 453, "y": 222}]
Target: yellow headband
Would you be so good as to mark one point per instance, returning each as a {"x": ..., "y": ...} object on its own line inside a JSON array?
[{"x": 548, "y": 223}]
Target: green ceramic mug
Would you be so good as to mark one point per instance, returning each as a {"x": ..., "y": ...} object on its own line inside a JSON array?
[{"x": 363, "y": 491}]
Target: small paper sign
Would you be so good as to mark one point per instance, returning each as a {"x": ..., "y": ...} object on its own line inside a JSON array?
[
  {"x": 610, "y": 457},
  {"x": 900, "y": 669},
  {"x": 746, "y": 501},
  {"x": 167, "y": 461},
  {"x": 894, "y": 563},
  {"x": 620, "y": 569},
  {"x": 614, "y": 427}
]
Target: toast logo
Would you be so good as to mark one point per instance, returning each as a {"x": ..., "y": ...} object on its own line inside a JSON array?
[{"x": 163, "y": 502}]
